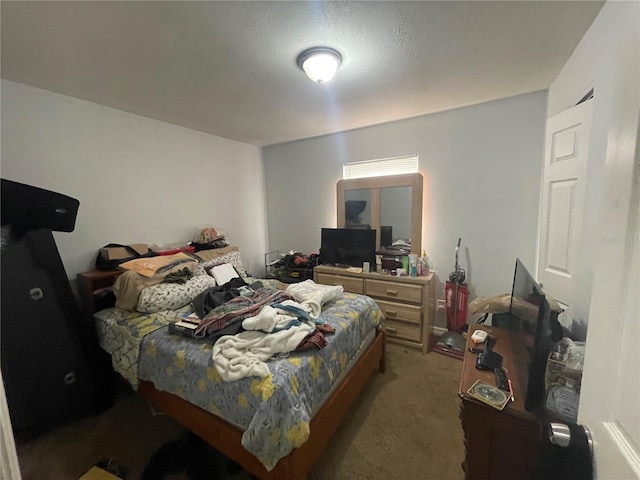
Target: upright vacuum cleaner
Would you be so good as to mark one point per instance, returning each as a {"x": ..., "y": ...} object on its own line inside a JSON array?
[{"x": 456, "y": 294}]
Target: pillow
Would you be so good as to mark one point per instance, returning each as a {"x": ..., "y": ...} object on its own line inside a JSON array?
[
  {"x": 233, "y": 258},
  {"x": 170, "y": 296},
  {"x": 206, "y": 256}
]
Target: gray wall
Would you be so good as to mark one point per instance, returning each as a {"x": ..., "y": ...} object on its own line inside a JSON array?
[
  {"x": 138, "y": 180},
  {"x": 481, "y": 168}
]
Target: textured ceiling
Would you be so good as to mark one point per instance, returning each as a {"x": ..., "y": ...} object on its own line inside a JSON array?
[{"x": 229, "y": 68}]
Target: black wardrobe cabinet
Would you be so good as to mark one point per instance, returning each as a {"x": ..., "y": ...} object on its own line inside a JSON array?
[{"x": 49, "y": 355}]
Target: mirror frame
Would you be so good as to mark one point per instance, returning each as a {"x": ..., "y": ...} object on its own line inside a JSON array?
[{"x": 413, "y": 180}]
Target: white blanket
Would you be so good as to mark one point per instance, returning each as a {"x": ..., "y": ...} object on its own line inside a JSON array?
[
  {"x": 245, "y": 354},
  {"x": 312, "y": 291},
  {"x": 269, "y": 319}
]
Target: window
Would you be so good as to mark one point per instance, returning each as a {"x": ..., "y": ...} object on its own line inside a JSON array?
[{"x": 380, "y": 167}]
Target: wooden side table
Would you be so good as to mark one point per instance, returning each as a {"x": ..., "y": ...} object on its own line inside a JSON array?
[{"x": 90, "y": 285}]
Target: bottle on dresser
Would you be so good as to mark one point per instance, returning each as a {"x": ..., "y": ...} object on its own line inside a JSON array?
[{"x": 424, "y": 261}]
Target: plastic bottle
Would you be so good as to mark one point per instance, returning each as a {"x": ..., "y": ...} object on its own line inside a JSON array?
[
  {"x": 425, "y": 263},
  {"x": 413, "y": 265}
]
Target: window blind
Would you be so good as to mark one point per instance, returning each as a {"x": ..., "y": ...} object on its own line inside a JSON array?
[{"x": 380, "y": 167}]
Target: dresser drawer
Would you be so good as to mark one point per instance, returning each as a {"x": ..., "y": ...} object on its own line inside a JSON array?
[
  {"x": 401, "y": 312},
  {"x": 394, "y": 291},
  {"x": 405, "y": 331},
  {"x": 350, "y": 284}
]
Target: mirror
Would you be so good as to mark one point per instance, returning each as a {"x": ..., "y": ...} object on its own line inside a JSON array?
[
  {"x": 392, "y": 205},
  {"x": 395, "y": 215},
  {"x": 357, "y": 209}
]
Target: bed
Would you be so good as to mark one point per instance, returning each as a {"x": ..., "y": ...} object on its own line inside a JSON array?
[{"x": 274, "y": 427}]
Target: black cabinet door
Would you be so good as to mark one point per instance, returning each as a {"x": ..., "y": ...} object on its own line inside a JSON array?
[{"x": 46, "y": 375}]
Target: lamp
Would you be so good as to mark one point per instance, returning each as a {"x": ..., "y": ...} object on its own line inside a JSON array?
[{"x": 320, "y": 63}]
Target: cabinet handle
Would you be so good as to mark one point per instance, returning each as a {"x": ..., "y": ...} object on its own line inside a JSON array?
[
  {"x": 391, "y": 329},
  {"x": 391, "y": 313},
  {"x": 392, "y": 292}
]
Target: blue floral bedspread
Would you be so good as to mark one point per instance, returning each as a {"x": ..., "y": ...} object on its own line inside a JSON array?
[{"x": 274, "y": 412}]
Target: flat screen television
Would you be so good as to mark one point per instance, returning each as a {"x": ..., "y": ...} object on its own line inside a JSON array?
[
  {"x": 386, "y": 236},
  {"x": 530, "y": 314},
  {"x": 347, "y": 247}
]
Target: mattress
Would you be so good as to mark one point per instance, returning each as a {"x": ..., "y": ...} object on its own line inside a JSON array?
[{"x": 274, "y": 412}]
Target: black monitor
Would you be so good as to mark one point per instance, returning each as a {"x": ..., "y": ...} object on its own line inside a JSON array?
[
  {"x": 386, "y": 236},
  {"x": 530, "y": 313},
  {"x": 347, "y": 247}
]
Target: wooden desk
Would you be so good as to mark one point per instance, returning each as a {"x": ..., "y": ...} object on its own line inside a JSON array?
[{"x": 499, "y": 444}]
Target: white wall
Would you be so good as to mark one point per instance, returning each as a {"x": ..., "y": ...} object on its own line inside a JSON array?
[
  {"x": 481, "y": 168},
  {"x": 137, "y": 179}
]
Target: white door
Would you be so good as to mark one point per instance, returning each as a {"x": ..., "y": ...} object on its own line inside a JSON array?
[
  {"x": 610, "y": 397},
  {"x": 610, "y": 281},
  {"x": 562, "y": 204}
]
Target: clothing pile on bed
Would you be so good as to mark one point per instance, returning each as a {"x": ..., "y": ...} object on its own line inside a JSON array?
[
  {"x": 249, "y": 323},
  {"x": 280, "y": 326}
]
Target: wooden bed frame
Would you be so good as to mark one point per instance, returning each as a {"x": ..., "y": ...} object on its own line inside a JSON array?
[{"x": 225, "y": 437}]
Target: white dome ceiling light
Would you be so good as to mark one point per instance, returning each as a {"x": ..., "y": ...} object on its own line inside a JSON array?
[{"x": 320, "y": 63}]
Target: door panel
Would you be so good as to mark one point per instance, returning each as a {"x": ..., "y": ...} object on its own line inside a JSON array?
[
  {"x": 561, "y": 204},
  {"x": 563, "y": 201}
]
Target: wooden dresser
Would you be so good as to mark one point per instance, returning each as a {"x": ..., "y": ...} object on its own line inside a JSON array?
[
  {"x": 500, "y": 445},
  {"x": 407, "y": 302}
]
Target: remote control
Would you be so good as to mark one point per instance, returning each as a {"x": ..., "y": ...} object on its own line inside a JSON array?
[{"x": 501, "y": 379}]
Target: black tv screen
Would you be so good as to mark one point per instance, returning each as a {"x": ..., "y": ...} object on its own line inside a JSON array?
[
  {"x": 531, "y": 308},
  {"x": 386, "y": 236},
  {"x": 347, "y": 247}
]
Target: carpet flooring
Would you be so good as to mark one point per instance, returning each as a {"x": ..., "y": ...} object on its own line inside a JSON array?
[{"x": 404, "y": 425}]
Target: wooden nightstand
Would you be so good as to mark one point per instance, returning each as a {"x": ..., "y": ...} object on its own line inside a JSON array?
[{"x": 90, "y": 284}]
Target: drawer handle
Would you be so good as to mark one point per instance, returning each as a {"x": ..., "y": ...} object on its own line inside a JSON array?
[
  {"x": 391, "y": 329},
  {"x": 391, "y": 313},
  {"x": 338, "y": 284},
  {"x": 392, "y": 292}
]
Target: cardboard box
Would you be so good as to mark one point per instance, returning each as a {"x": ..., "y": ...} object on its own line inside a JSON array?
[
  {"x": 97, "y": 473},
  {"x": 117, "y": 253}
]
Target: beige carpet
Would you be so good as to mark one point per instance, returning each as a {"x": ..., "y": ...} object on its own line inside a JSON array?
[{"x": 404, "y": 425}]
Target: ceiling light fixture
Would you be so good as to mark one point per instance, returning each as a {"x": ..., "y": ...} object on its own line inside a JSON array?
[{"x": 320, "y": 63}]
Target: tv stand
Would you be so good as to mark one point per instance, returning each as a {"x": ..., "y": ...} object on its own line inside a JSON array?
[{"x": 499, "y": 444}]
